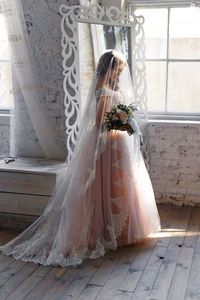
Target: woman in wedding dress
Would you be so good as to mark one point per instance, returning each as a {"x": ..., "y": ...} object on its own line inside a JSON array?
[{"x": 103, "y": 199}]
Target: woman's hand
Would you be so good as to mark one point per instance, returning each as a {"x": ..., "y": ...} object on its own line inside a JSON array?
[{"x": 125, "y": 127}]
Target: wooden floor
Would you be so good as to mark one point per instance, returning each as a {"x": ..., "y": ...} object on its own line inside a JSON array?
[{"x": 166, "y": 266}]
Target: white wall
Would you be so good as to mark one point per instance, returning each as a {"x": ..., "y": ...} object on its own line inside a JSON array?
[
  {"x": 175, "y": 161},
  {"x": 4, "y": 136}
]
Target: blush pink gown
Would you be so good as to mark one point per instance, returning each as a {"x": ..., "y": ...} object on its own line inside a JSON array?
[
  {"x": 125, "y": 208},
  {"x": 103, "y": 200}
]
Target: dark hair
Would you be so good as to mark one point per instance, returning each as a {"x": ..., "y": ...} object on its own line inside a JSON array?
[{"x": 107, "y": 60}]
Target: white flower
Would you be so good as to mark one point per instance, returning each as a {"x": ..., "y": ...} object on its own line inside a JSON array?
[{"x": 123, "y": 116}]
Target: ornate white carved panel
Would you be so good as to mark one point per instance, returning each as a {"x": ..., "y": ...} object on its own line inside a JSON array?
[{"x": 71, "y": 83}]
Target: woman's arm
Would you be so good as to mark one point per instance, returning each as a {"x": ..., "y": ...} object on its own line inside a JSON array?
[{"x": 100, "y": 110}]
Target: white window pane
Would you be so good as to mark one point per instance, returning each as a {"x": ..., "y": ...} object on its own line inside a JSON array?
[
  {"x": 4, "y": 48},
  {"x": 183, "y": 87},
  {"x": 156, "y": 82},
  {"x": 184, "y": 33},
  {"x": 5, "y": 85},
  {"x": 155, "y": 28}
]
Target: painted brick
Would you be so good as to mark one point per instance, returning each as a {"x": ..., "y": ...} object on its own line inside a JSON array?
[{"x": 174, "y": 150}]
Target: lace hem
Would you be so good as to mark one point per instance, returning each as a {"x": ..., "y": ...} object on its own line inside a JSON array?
[{"x": 75, "y": 257}]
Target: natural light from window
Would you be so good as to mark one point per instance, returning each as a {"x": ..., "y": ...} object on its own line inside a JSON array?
[
  {"x": 172, "y": 41},
  {"x": 5, "y": 68}
]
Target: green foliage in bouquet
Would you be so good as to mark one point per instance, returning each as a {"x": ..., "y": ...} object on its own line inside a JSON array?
[{"x": 120, "y": 115}]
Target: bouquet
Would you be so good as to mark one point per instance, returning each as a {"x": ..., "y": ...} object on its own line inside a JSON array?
[{"x": 120, "y": 115}]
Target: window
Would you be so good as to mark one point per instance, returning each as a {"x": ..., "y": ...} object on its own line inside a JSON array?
[
  {"x": 172, "y": 41},
  {"x": 5, "y": 68}
]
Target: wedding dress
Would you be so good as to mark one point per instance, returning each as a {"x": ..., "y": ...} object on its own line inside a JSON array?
[{"x": 103, "y": 199}]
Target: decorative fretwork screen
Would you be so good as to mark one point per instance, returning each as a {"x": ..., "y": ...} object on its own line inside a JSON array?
[{"x": 69, "y": 26}]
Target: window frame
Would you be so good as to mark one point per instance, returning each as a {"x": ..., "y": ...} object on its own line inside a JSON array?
[{"x": 170, "y": 115}]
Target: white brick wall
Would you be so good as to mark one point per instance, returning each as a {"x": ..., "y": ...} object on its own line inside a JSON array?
[
  {"x": 4, "y": 135},
  {"x": 175, "y": 161}
]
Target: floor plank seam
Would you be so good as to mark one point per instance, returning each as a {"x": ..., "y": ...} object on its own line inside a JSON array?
[
  {"x": 174, "y": 274},
  {"x": 159, "y": 270},
  {"x": 10, "y": 294},
  {"x": 180, "y": 246},
  {"x": 188, "y": 277},
  {"x": 191, "y": 268},
  {"x": 14, "y": 262},
  {"x": 132, "y": 298},
  {"x": 42, "y": 278}
]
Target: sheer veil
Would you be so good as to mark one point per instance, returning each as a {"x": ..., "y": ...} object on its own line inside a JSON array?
[{"x": 62, "y": 235}]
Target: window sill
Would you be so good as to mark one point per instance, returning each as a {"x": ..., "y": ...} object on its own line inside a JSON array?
[
  {"x": 5, "y": 119},
  {"x": 189, "y": 118},
  {"x": 164, "y": 121}
]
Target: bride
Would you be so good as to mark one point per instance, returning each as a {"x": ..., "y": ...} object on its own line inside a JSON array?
[{"x": 104, "y": 198}]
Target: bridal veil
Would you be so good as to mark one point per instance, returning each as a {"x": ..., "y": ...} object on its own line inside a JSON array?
[{"x": 68, "y": 230}]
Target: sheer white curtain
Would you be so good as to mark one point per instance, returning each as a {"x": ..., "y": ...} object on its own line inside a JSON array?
[{"x": 26, "y": 76}]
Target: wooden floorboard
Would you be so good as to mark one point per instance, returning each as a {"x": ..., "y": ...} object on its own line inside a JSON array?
[
  {"x": 29, "y": 283},
  {"x": 165, "y": 266},
  {"x": 149, "y": 274}
]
